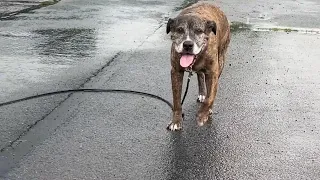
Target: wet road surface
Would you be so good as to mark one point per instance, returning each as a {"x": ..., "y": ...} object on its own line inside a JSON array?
[
  {"x": 266, "y": 120},
  {"x": 64, "y": 50},
  {"x": 10, "y": 8}
]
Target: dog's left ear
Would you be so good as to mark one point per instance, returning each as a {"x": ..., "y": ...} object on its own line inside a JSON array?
[
  {"x": 212, "y": 26},
  {"x": 170, "y": 22}
]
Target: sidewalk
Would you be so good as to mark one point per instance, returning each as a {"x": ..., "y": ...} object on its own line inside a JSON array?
[{"x": 9, "y": 8}]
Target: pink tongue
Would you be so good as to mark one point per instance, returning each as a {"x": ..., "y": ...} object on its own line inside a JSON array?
[{"x": 186, "y": 60}]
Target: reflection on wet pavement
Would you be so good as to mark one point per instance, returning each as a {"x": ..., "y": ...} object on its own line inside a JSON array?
[
  {"x": 240, "y": 26},
  {"x": 192, "y": 153},
  {"x": 69, "y": 43}
]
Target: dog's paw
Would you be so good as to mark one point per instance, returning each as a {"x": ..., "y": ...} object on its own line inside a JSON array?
[
  {"x": 202, "y": 120},
  {"x": 203, "y": 117},
  {"x": 210, "y": 112},
  {"x": 201, "y": 98},
  {"x": 174, "y": 126}
]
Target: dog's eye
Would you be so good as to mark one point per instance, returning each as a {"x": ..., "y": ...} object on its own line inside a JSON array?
[
  {"x": 199, "y": 31},
  {"x": 180, "y": 30}
]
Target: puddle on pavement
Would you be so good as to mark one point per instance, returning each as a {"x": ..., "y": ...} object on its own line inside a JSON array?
[
  {"x": 48, "y": 3},
  {"x": 15, "y": 34},
  {"x": 29, "y": 9},
  {"x": 66, "y": 42},
  {"x": 236, "y": 26},
  {"x": 240, "y": 26},
  {"x": 185, "y": 3},
  {"x": 315, "y": 31}
]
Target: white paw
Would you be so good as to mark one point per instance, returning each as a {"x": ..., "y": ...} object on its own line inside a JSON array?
[
  {"x": 210, "y": 112},
  {"x": 200, "y": 123},
  {"x": 174, "y": 126},
  {"x": 201, "y": 98}
]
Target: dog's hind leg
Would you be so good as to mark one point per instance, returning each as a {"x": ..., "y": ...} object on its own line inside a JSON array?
[
  {"x": 222, "y": 57},
  {"x": 222, "y": 54},
  {"x": 202, "y": 87}
]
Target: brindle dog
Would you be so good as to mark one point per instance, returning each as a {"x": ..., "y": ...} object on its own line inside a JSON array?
[{"x": 200, "y": 37}]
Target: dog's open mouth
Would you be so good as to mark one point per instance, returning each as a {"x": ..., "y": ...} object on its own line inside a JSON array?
[{"x": 186, "y": 60}]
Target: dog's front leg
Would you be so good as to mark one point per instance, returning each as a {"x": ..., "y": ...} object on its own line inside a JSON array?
[
  {"x": 206, "y": 107},
  {"x": 202, "y": 87},
  {"x": 176, "y": 81}
]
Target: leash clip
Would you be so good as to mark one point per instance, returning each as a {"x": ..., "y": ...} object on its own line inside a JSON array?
[
  {"x": 189, "y": 70},
  {"x": 190, "y": 74}
]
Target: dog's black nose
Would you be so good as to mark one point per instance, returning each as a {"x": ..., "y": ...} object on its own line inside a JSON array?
[{"x": 188, "y": 45}]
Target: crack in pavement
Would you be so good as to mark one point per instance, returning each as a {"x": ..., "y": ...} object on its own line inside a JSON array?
[
  {"x": 95, "y": 74},
  {"x": 133, "y": 53},
  {"x": 17, "y": 141}
]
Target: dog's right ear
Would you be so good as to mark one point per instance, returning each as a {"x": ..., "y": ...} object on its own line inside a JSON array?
[
  {"x": 170, "y": 22},
  {"x": 212, "y": 26}
]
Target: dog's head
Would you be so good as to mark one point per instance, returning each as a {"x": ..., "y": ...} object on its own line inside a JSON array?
[{"x": 190, "y": 35}]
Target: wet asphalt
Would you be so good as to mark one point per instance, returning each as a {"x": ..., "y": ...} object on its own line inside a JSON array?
[
  {"x": 10, "y": 8},
  {"x": 266, "y": 115}
]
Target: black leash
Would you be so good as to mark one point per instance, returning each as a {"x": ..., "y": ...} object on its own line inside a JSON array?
[
  {"x": 101, "y": 90},
  {"x": 88, "y": 90},
  {"x": 187, "y": 87},
  {"x": 186, "y": 91}
]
